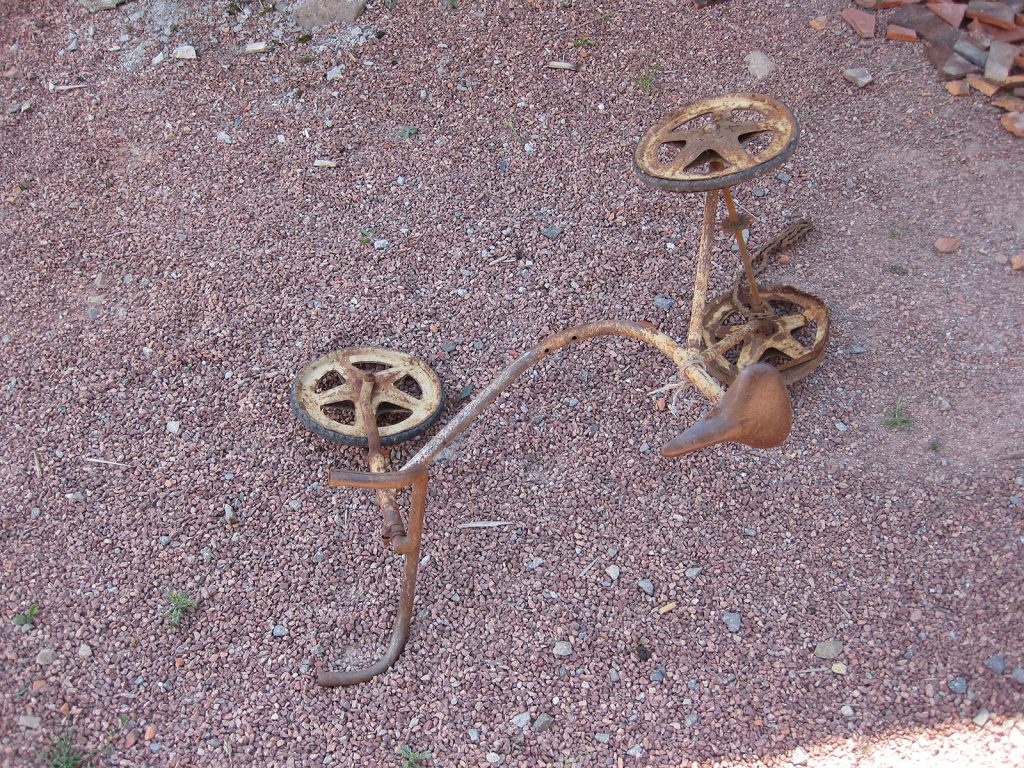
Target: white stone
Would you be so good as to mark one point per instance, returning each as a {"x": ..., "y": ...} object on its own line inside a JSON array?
[
  {"x": 828, "y": 649},
  {"x": 759, "y": 65},
  {"x": 858, "y": 76},
  {"x": 310, "y": 14},
  {"x": 184, "y": 52},
  {"x": 562, "y": 648}
]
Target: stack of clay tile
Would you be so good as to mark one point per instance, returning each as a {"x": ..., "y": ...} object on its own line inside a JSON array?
[{"x": 976, "y": 45}]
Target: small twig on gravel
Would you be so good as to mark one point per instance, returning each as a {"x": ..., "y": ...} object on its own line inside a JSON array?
[
  {"x": 586, "y": 570},
  {"x": 485, "y": 524},
  {"x": 61, "y": 88},
  {"x": 105, "y": 461},
  {"x": 38, "y": 464},
  {"x": 676, "y": 388},
  {"x": 844, "y": 612},
  {"x": 747, "y": 211},
  {"x": 1012, "y": 456},
  {"x": 500, "y": 259}
]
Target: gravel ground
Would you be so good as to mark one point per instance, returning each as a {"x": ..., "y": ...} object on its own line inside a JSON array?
[{"x": 172, "y": 256}]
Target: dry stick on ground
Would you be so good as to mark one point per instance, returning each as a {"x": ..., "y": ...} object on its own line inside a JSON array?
[
  {"x": 844, "y": 611},
  {"x": 105, "y": 461}
]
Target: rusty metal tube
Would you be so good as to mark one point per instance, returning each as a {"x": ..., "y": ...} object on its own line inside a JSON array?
[
  {"x": 403, "y": 620},
  {"x": 748, "y": 268},
  {"x": 393, "y": 526},
  {"x": 688, "y": 362},
  {"x": 402, "y": 478},
  {"x": 703, "y": 275}
]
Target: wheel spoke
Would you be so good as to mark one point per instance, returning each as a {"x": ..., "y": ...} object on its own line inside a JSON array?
[
  {"x": 794, "y": 321},
  {"x": 393, "y": 374},
  {"x": 733, "y": 152},
  {"x": 338, "y": 394},
  {"x": 689, "y": 153},
  {"x": 684, "y": 136},
  {"x": 749, "y": 128},
  {"x": 751, "y": 352},
  {"x": 788, "y": 346},
  {"x": 395, "y": 396}
]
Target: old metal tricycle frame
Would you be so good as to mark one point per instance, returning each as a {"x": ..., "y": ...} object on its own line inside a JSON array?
[{"x": 755, "y": 410}]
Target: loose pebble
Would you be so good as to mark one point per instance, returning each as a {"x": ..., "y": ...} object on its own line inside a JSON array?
[
  {"x": 543, "y": 722},
  {"x": 760, "y": 65},
  {"x": 732, "y": 620},
  {"x": 996, "y": 663},
  {"x": 828, "y": 649},
  {"x": 858, "y": 76},
  {"x": 29, "y": 721}
]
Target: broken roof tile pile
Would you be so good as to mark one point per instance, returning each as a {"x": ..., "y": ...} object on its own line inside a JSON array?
[{"x": 976, "y": 45}]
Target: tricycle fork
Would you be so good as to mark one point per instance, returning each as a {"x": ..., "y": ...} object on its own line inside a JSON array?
[{"x": 404, "y": 541}]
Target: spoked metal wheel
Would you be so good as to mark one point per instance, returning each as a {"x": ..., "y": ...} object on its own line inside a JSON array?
[
  {"x": 407, "y": 396},
  {"x": 791, "y": 334},
  {"x": 716, "y": 143}
]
